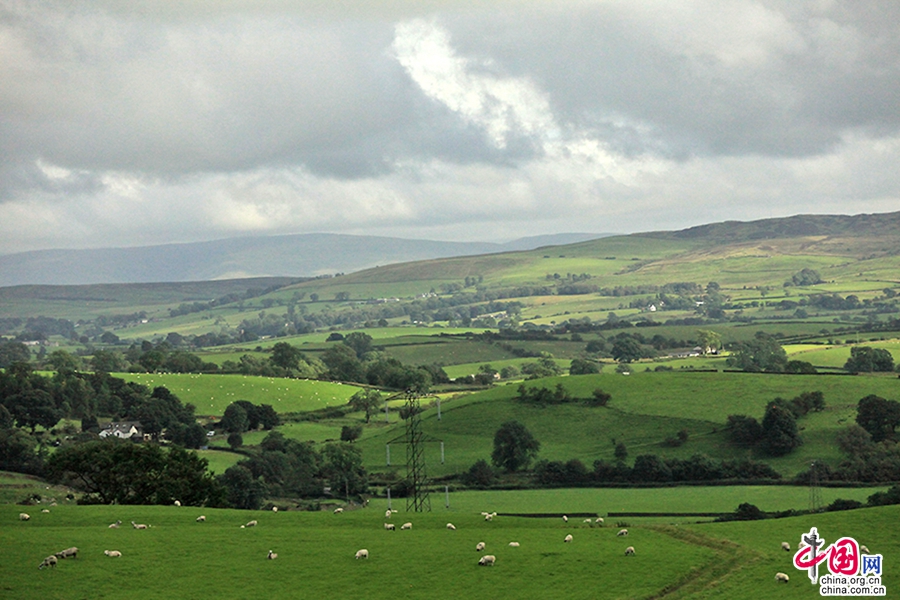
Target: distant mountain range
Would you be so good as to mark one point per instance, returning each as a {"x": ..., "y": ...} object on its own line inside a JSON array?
[{"x": 302, "y": 255}]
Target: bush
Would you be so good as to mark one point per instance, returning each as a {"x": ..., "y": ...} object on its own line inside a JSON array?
[
  {"x": 843, "y": 504},
  {"x": 479, "y": 474},
  {"x": 235, "y": 440},
  {"x": 350, "y": 433}
]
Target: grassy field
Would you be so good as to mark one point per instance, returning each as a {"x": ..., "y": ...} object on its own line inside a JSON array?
[
  {"x": 177, "y": 557},
  {"x": 211, "y": 394}
]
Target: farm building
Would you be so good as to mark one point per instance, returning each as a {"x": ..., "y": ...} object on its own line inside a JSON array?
[{"x": 122, "y": 429}]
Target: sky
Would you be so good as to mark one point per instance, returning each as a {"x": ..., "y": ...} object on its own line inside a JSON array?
[{"x": 138, "y": 122}]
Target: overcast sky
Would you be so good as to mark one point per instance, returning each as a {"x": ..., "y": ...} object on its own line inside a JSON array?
[{"x": 132, "y": 122}]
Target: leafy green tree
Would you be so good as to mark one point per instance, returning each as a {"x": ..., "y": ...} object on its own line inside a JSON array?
[
  {"x": 35, "y": 407},
  {"x": 235, "y": 440},
  {"x": 479, "y": 474},
  {"x": 579, "y": 366},
  {"x": 744, "y": 430},
  {"x": 761, "y": 354},
  {"x": 366, "y": 400},
  {"x": 626, "y": 350},
  {"x": 514, "y": 447},
  {"x": 708, "y": 340},
  {"x": 13, "y": 352},
  {"x": 343, "y": 364},
  {"x": 878, "y": 416},
  {"x": 344, "y": 469},
  {"x": 286, "y": 356},
  {"x": 18, "y": 452},
  {"x": 780, "y": 432},
  {"x": 268, "y": 418},
  {"x": 621, "y": 452},
  {"x": 243, "y": 490},
  {"x": 235, "y": 419},
  {"x": 649, "y": 467},
  {"x": 806, "y": 277},
  {"x": 351, "y": 433},
  {"x": 864, "y": 359},
  {"x": 107, "y": 361},
  {"x": 63, "y": 361},
  {"x": 598, "y": 398},
  {"x": 359, "y": 342}
]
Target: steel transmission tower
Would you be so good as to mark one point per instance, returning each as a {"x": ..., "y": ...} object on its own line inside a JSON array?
[{"x": 417, "y": 499}]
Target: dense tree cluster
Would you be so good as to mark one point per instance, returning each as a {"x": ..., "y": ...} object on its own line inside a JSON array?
[
  {"x": 763, "y": 353},
  {"x": 864, "y": 359},
  {"x": 778, "y": 433}
]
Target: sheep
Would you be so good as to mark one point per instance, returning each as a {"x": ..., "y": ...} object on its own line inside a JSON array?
[
  {"x": 568, "y": 538},
  {"x": 177, "y": 503},
  {"x": 863, "y": 549},
  {"x": 785, "y": 546},
  {"x": 115, "y": 525},
  {"x": 272, "y": 555},
  {"x": 629, "y": 551},
  {"x": 139, "y": 525},
  {"x": 487, "y": 560},
  {"x": 622, "y": 532},
  {"x": 782, "y": 577},
  {"x": 390, "y": 527},
  {"x": 388, "y": 513},
  {"x": 50, "y": 561},
  {"x": 565, "y": 519},
  {"x": 112, "y": 553},
  {"x": 488, "y": 517},
  {"x": 24, "y": 516},
  {"x": 588, "y": 521},
  {"x": 514, "y": 544},
  {"x": 479, "y": 547},
  {"x": 201, "y": 519},
  {"x": 251, "y": 523},
  {"x": 274, "y": 509},
  {"x": 406, "y": 525},
  {"x": 46, "y": 510},
  {"x": 338, "y": 510},
  {"x": 68, "y": 552},
  {"x": 493, "y": 514},
  {"x": 362, "y": 554},
  {"x": 599, "y": 520},
  {"x": 451, "y": 526}
]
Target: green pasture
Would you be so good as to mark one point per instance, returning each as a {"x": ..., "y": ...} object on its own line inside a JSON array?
[
  {"x": 219, "y": 460},
  {"x": 836, "y": 356},
  {"x": 211, "y": 394},
  {"x": 316, "y": 554}
]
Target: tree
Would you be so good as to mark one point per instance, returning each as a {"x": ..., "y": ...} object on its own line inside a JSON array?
[
  {"x": 343, "y": 364},
  {"x": 107, "y": 361},
  {"x": 63, "y": 361},
  {"x": 360, "y": 342},
  {"x": 709, "y": 341},
  {"x": 235, "y": 440},
  {"x": 580, "y": 366},
  {"x": 864, "y": 359},
  {"x": 235, "y": 419},
  {"x": 514, "y": 447},
  {"x": 366, "y": 400},
  {"x": 806, "y": 277},
  {"x": 621, "y": 452},
  {"x": 351, "y": 433},
  {"x": 878, "y": 416},
  {"x": 286, "y": 356},
  {"x": 598, "y": 398},
  {"x": 479, "y": 474},
  {"x": 779, "y": 430},
  {"x": 761, "y": 354},
  {"x": 13, "y": 352},
  {"x": 34, "y": 407},
  {"x": 626, "y": 349},
  {"x": 243, "y": 490},
  {"x": 744, "y": 430},
  {"x": 343, "y": 467}
]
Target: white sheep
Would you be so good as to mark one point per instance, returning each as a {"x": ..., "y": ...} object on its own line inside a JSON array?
[
  {"x": 177, "y": 503},
  {"x": 493, "y": 514},
  {"x": 514, "y": 544},
  {"x": 622, "y": 532},
  {"x": 362, "y": 553},
  {"x": 862, "y": 548},
  {"x": 274, "y": 509},
  {"x": 139, "y": 525},
  {"x": 338, "y": 510},
  {"x": 489, "y": 517},
  {"x": 782, "y": 577},
  {"x": 50, "y": 561},
  {"x": 251, "y": 523},
  {"x": 785, "y": 546},
  {"x": 479, "y": 547},
  {"x": 68, "y": 552},
  {"x": 24, "y": 516},
  {"x": 629, "y": 551},
  {"x": 115, "y": 525},
  {"x": 406, "y": 525},
  {"x": 568, "y": 538},
  {"x": 272, "y": 555},
  {"x": 599, "y": 520},
  {"x": 201, "y": 519},
  {"x": 390, "y": 527},
  {"x": 565, "y": 519},
  {"x": 388, "y": 513},
  {"x": 451, "y": 526},
  {"x": 487, "y": 560},
  {"x": 112, "y": 553},
  {"x": 588, "y": 521},
  {"x": 46, "y": 510}
]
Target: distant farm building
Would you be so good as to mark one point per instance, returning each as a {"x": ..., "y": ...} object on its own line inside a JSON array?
[{"x": 124, "y": 430}]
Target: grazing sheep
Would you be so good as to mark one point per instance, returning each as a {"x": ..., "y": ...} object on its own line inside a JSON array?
[
  {"x": 390, "y": 526},
  {"x": 201, "y": 519},
  {"x": 362, "y": 553},
  {"x": 588, "y": 521},
  {"x": 451, "y": 526},
  {"x": 599, "y": 520},
  {"x": 112, "y": 553},
  {"x": 68, "y": 553},
  {"x": 177, "y": 503},
  {"x": 50, "y": 561},
  {"x": 272, "y": 555},
  {"x": 24, "y": 516},
  {"x": 406, "y": 525},
  {"x": 785, "y": 546},
  {"x": 251, "y": 523},
  {"x": 115, "y": 525},
  {"x": 274, "y": 509},
  {"x": 782, "y": 577},
  {"x": 388, "y": 513},
  {"x": 139, "y": 525},
  {"x": 488, "y": 517},
  {"x": 487, "y": 560},
  {"x": 514, "y": 544},
  {"x": 629, "y": 551},
  {"x": 479, "y": 546},
  {"x": 565, "y": 519},
  {"x": 493, "y": 514},
  {"x": 568, "y": 538},
  {"x": 862, "y": 548},
  {"x": 338, "y": 510},
  {"x": 622, "y": 532},
  {"x": 46, "y": 510}
]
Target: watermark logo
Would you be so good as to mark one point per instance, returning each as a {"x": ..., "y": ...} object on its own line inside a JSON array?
[{"x": 850, "y": 573}]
